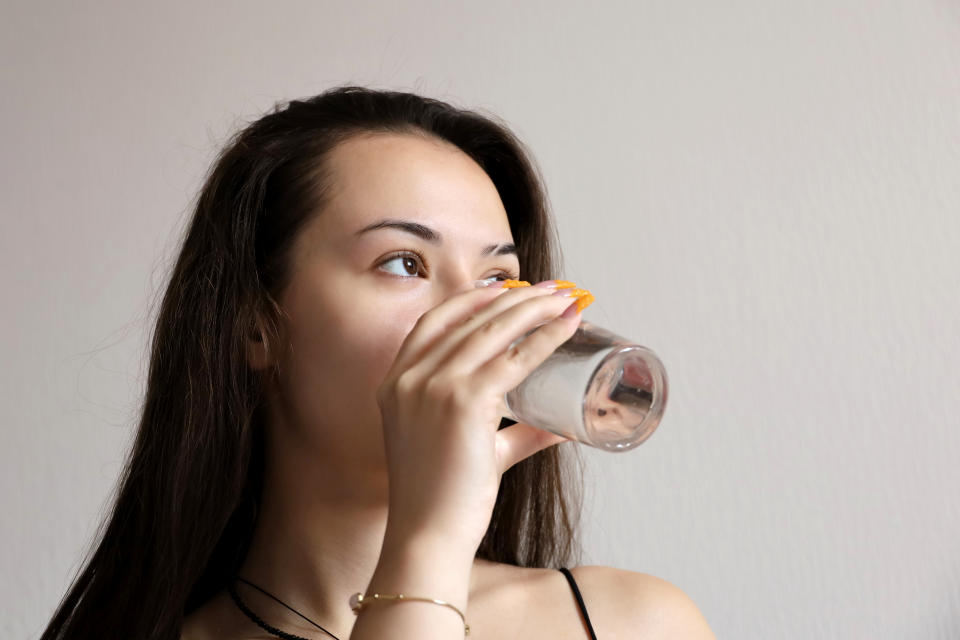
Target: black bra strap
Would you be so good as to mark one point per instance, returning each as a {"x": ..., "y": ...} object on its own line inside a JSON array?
[{"x": 583, "y": 608}]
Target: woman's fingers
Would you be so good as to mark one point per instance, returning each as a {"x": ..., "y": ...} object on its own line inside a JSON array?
[
  {"x": 443, "y": 327},
  {"x": 435, "y": 322},
  {"x": 490, "y": 330},
  {"x": 511, "y": 367}
]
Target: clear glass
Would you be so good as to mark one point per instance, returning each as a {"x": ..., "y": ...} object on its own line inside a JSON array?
[{"x": 597, "y": 388}]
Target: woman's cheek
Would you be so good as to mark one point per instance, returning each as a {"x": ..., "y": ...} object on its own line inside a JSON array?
[{"x": 385, "y": 340}]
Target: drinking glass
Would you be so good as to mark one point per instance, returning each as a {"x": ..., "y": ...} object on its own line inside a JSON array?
[{"x": 596, "y": 388}]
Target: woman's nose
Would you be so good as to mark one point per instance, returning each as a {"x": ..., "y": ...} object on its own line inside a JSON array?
[{"x": 466, "y": 285}]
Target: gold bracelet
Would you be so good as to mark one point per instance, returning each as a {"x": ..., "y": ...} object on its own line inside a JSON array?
[{"x": 358, "y": 601}]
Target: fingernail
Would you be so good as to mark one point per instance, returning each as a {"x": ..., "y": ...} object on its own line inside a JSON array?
[
  {"x": 489, "y": 284},
  {"x": 570, "y": 293},
  {"x": 514, "y": 284},
  {"x": 555, "y": 284},
  {"x": 583, "y": 300}
]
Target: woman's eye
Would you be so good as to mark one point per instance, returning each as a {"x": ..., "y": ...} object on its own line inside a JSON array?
[
  {"x": 408, "y": 264},
  {"x": 502, "y": 276},
  {"x": 411, "y": 264}
]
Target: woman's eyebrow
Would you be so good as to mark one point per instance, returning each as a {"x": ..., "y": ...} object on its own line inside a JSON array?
[{"x": 433, "y": 237}]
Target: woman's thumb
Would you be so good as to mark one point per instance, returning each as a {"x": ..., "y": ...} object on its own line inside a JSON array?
[{"x": 520, "y": 441}]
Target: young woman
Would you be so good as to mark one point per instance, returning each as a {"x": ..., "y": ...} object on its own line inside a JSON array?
[{"x": 322, "y": 413}]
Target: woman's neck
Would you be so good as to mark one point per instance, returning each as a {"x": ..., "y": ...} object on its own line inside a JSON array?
[{"x": 318, "y": 536}]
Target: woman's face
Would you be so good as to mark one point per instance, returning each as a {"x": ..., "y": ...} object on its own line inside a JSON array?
[{"x": 358, "y": 286}]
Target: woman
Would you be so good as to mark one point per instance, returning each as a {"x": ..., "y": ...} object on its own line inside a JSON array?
[{"x": 322, "y": 413}]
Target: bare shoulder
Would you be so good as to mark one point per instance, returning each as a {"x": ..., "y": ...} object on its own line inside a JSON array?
[
  {"x": 539, "y": 603},
  {"x": 628, "y": 604}
]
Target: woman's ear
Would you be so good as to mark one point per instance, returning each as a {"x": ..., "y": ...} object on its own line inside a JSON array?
[{"x": 259, "y": 355}]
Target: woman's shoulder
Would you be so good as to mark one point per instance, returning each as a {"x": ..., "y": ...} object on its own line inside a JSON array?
[
  {"x": 510, "y": 601},
  {"x": 637, "y": 604},
  {"x": 619, "y": 603}
]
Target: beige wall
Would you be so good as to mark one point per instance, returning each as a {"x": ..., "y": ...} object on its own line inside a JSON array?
[{"x": 767, "y": 194}]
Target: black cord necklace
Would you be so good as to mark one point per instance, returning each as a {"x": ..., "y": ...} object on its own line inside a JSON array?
[{"x": 232, "y": 589}]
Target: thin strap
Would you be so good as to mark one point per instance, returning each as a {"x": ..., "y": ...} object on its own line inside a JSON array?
[{"x": 583, "y": 608}]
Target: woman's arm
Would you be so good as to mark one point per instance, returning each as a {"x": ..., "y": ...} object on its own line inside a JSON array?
[{"x": 440, "y": 404}]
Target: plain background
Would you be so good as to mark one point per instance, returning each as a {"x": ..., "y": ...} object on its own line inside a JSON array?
[{"x": 765, "y": 193}]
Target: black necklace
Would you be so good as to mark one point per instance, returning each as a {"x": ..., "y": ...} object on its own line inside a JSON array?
[{"x": 232, "y": 589}]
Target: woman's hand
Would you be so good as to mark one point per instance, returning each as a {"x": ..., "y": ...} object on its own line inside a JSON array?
[{"x": 441, "y": 405}]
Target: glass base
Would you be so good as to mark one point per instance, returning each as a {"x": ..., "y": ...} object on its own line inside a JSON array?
[{"x": 597, "y": 389}]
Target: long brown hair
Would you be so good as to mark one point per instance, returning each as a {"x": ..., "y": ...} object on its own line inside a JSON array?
[{"x": 187, "y": 499}]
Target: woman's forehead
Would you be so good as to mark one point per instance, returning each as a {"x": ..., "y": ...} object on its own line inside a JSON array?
[
  {"x": 408, "y": 178},
  {"x": 405, "y": 166}
]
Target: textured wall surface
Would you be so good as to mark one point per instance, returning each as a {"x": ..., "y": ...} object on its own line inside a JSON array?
[{"x": 766, "y": 194}]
